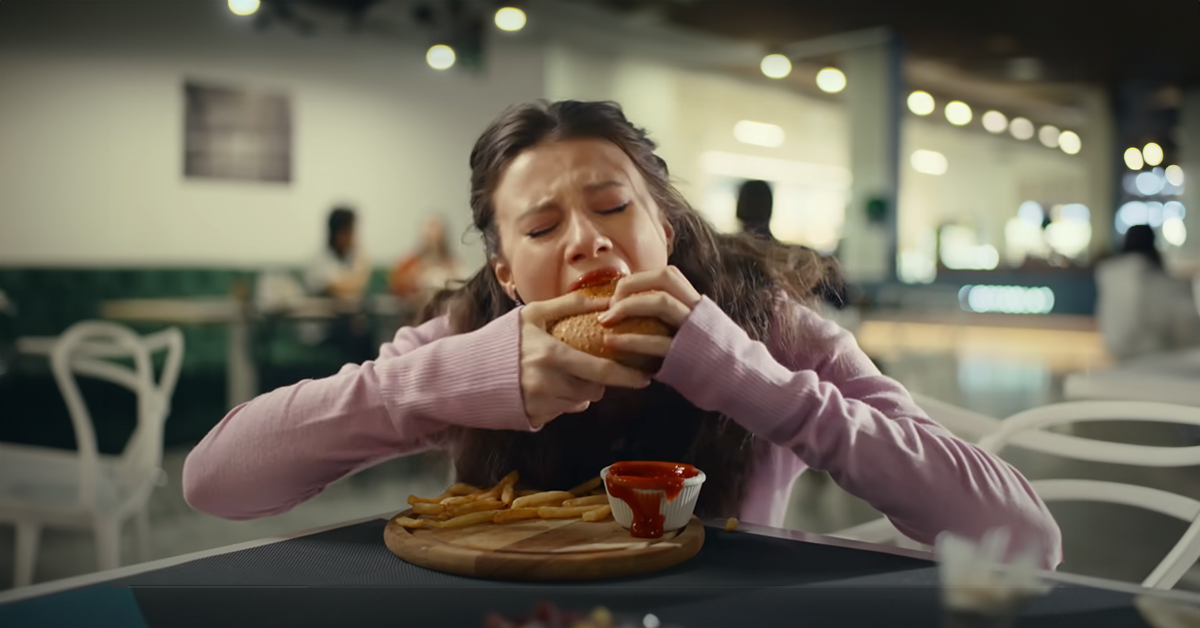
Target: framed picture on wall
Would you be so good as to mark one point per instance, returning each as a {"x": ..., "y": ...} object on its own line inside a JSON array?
[{"x": 239, "y": 134}]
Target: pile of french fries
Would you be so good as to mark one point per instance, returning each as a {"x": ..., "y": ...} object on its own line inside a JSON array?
[{"x": 464, "y": 505}]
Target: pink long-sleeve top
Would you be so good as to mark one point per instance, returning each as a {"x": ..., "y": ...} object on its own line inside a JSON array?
[{"x": 819, "y": 403}]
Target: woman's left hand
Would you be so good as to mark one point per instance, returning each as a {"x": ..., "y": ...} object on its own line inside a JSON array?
[{"x": 663, "y": 294}]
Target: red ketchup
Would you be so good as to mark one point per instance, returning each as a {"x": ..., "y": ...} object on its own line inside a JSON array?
[
  {"x": 596, "y": 278},
  {"x": 624, "y": 479}
]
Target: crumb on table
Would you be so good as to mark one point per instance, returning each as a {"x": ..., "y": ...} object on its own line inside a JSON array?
[{"x": 731, "y": 524}]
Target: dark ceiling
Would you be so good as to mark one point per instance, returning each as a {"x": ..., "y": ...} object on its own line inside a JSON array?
[{"x": 1094, "y": 41}]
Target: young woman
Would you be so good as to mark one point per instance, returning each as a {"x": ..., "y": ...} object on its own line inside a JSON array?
[{"x": 754, "y": 387}]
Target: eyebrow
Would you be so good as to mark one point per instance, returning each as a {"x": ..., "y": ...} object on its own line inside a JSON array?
[{"x": 547, "y": 205}]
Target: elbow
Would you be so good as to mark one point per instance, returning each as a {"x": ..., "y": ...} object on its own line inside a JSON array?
[{"x": 207, "y": 490}]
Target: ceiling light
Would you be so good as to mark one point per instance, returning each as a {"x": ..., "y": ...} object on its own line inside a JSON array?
[
  {"x": 958, "y": 113},
  {"x": 440, "y": 57},
  {"x": 1133, "y": 159},
  {"x": 1174, "y": 175},
  {"x": 1048, "y": 136},
  {"x": 1021, "y": 128},
  {"x": 831, "y": 80},
  {"x": 995, "y": 122},
  {"x": 243, "y": 7},
  {"x": 1070, "y": 143},
  {"x": 510, "y": 19},
  {"x": 920, "y": 103},
  {"x": 1152, "y": 154},
  {"x": 929, "y": 162},
  {"x": 776, "y": 66},
  {"x": 758, "y": 134}
]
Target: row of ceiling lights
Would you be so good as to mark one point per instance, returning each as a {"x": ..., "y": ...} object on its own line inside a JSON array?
[
  {"x": 832, "y": 80},
  {"x": 440, "y": 56}
]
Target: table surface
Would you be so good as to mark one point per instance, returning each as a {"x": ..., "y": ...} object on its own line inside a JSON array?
[
  {"x": 344, "y": 575},
  {"x": 1168, "y": 377}
]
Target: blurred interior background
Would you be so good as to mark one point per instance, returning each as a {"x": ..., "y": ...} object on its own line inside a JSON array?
[{"x": 972, "y": 165}]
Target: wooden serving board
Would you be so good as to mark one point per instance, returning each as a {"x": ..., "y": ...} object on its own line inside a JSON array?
[{"x": 542, "y": 550}]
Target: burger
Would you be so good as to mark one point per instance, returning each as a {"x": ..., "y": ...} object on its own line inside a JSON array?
[{"x": 585, "y": 333}]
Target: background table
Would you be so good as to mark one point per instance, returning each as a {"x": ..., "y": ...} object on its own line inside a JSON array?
[
  {"x": 345, "y": 576},
  {"x": 1167, "y": 377}
]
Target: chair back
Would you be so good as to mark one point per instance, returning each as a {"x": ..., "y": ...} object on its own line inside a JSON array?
[
  {"x": 91, "y": 349},
  {"x": 1013, "y": 430}
]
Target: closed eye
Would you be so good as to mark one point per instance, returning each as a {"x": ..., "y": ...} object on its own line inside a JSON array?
[{"x": 615, "y": 210}]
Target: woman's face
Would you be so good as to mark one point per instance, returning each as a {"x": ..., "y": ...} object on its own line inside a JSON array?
[{"x": 566, "y": 209}]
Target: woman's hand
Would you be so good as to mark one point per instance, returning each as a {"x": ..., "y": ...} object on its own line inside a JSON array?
[
  {"x": 663, "y": 294},
  {"x": 557, "y": 379}
]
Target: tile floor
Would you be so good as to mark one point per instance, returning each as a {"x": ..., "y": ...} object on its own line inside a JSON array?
[{"x": 1108, "y": 541}]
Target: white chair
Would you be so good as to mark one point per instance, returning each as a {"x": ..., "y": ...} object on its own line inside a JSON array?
[
  {"x": 1025, "y": 430},
  {"x": 42, "y": 486}
]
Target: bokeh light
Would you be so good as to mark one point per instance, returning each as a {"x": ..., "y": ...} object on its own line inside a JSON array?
[
  {"x": 1070, "y": 143},
  {"x": 776, "y": 66},
  {"x": 510, "y": 19},
  {"x": 243, "y": 7},
  {"x": 920, "y": 103},
  {"x": 958, "y": 112},
  {"x": 1175, "y": 175},
  {"x": 929, "y": 162},
  {"x": 1152, "y": 154},
  {"x": 1021, "y": 128},
  {"x": 831, "y": 80},
  {"x": 1048, "y": 136},
  {"x": 995, "y": 122},
  {"x": 1133, "y": 159},
  {"x": 440, "y": 57}
]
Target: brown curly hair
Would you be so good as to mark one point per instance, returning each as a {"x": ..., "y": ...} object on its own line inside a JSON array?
[{"x": 744, "y": 275}]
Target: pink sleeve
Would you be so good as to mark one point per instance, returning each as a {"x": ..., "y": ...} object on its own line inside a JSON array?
[
  {"x": 838, "y": 413},
  {"x": 282, "y": 448}
]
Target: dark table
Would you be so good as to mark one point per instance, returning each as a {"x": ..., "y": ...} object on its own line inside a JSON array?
[{"x": 345, "y": 576}]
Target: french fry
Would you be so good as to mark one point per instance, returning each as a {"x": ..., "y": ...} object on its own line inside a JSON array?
[
  {"x": 556, "y": 512},
  {"x": 731, "y": 524},
  {"x": 507, "y": 495},
  {"x": 517, "y": 514},
  {"x": 591, "y": 500},
  {"x": 461, "y": 489},
  {"x": 409, "y": 522},
  {"x": 475, "y": 506},
  {"x": 459, "y": 499},
  {"x": 598, "y": 514},
  {"x": 469, "y": 519},
  {"x": 413, "y": 500},
  {"x": 586, "y": 487},
  {"x": 422, "y": 508},
  {"x": 547, "y": 498}
]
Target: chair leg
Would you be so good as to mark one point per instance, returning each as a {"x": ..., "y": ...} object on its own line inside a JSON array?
[
  {"x": 108, "y": 544},
  {"x": 29, "y": 534},
  {"x": 141, "y": 523}
]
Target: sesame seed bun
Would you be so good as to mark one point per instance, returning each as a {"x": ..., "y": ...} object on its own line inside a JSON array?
[{"x": 585, "y": 333}]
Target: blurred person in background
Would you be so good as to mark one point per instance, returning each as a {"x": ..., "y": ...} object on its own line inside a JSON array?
[
  {"x": 341, "y": 272},
  {"x": 1141, "y": 309},
  {"x": 755, "y": 206},
  {"x": 426, "y": 271}
]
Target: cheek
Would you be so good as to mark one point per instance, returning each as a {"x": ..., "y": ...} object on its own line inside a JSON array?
[{"x": 536, "y": 275}]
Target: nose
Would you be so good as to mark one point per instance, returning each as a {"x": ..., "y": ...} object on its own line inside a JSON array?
[{"x": 585, "y": 240}]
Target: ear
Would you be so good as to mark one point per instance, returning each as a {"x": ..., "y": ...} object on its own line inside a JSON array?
[
  {"x": 505, "y": 277},
  {"x": 669, "y": 233}
]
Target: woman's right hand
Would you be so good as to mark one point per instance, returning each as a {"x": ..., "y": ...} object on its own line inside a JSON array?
[{"x": 558, "y": 379}]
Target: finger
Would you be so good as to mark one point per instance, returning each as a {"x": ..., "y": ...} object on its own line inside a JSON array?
[
  {"x": 572, "y": 389},
  {"x": 658, "y": 305},
  {"x": 638, "y": 343},
  {"x": 541, "y": 313},
  {"x": 669, "y": 279},
  {"x": 599, "y": 370}
]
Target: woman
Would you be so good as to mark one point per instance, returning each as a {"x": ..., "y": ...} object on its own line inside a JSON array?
[
  {"x": 1141, "y": 309},
  {"x": 429, "y": 269},
  {"x": 341, "y": 272},
  {"x": 754, "y": 388}
]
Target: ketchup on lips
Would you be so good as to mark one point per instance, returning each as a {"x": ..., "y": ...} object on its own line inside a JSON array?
[
  {"x": 596, "y": 278},
  {"x": 626, "y": 480}
]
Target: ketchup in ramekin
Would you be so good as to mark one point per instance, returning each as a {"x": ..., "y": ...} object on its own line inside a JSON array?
[{"x": 625, "y": 480}]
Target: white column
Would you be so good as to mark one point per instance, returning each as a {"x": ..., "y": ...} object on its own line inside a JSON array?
[
  {"x": 1098, "y": 153},
  {"x": 1190, "y": 162},
  {"x": 873, "y": 100}
]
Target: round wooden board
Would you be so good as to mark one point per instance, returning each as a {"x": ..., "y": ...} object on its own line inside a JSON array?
[{"x": 542, "y": 550}]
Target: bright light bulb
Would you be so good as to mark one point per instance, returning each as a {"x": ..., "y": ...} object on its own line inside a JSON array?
[
  {"x": 1174, "y": 232},
  {"x": 1048, "y": 136},
  {"x": 831, "y": 80},
  {"x": 776, "y": 66},
  {"x": 1133, "y": 159},
  {"x": 1021, "y": 128},
  {"x": 929, "y": 162},
  {"x": 920, "y": 103},
  {"x": 1070, "y": 143},
  {"x": 1175, "y": 175},
  {"x": 995, "y": 122},
  {"x": 440, "y": 57},
  {"x": 1152, "y": 154},
  {"x": 510, "y": 19},
  {"x": 958, "y": 113},
  {"x": 243, "y": 7}
]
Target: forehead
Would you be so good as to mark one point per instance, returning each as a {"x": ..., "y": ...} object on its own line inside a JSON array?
[{"x": 550, "y": 168}]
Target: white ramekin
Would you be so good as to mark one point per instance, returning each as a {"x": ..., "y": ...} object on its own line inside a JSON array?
[{"x": 677, "y": 512}]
